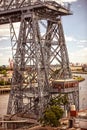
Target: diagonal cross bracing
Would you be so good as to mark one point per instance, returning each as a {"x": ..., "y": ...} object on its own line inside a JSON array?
[{"x": 39, "y": 46}]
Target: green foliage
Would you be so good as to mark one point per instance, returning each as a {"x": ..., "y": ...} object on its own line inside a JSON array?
[
  {"x": 78, "y": 78},
  {"x": 58, "y": 111},
  {"x": 60, "y": 100},
  {"x": 49, "y": 118},
  {"x": 65, "y": 100},
  {"x": 2, "y": 82},
  {"x": 4, "y": 72},
  {"x": 54, "y": 112},
  {"x": 3, "y": 68},
  {"x": 52, "y": 115}
]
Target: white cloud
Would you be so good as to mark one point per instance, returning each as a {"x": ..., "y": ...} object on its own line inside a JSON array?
[
  {"x": 78, "y": 42},
  {"x": 5, "y": 48},
  {"x": 4, "y": 56},
  {"x": 83, "y": 41},
  {"x": 81, "y": 46},
  {"x": 4, "y": 30},
  {"x": 60, "y": 1},
  {"x": 4, "y": 60},
  {"x": 4, "y": 38},
  {"x": 79, "y": 56},
  {"x": 69, "y": 1},
  {"x": 1, "y": 54},
  {"x": 79, "y": 5},
  {"x": 70, "y": 39}
]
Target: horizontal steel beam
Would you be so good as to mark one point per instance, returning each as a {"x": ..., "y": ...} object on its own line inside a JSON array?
[{"x": 16, "y": 12}]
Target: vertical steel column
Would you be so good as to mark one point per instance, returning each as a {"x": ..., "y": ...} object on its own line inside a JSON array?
[
  {"x": 19, "y": 68},
  {"x": 56, "y": 49},
  {"x": 13, "y": 36},
  {"x": 65, "y": 71},
  {"x": 35, "y": 56},
  {"x": 42, "y": 77},
  {"x": 29, "y": 55}
]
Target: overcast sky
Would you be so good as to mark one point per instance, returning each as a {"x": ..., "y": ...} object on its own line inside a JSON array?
[{"x": 75, "y": 29}]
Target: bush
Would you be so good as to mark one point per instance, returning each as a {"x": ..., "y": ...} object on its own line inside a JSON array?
[
  {"x": 53, "y": 113},
  {"x": 2, "y": 82},
  {"x": 51, "y": 116},
  {"x": 4, "y": 72},
  {"x": 61, "y": 100}
]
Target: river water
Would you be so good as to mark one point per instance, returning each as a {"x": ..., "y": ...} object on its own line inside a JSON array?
[
  {"x": 3, "y": 104},
  {"x": 83, "y": 93},
  {"x": 82, "y": 97}
]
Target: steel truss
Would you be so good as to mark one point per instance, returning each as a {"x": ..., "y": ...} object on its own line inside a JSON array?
[{"x": 39, "y": 46}]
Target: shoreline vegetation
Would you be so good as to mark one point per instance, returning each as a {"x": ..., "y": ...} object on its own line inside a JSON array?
[
  {"x": 79, "y": 72},
  {"x": 6, "y": 74},
  {"x": 78, "y": 78}
]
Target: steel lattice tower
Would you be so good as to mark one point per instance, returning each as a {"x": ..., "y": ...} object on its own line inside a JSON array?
[{"x": 39, "y": 45}]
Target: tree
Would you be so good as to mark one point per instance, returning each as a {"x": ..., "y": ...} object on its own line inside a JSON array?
[
  {"x": 4, "y": 72},
  {"x": 2, "y": 82},
  {"x": 53, "y": 112},
  {"x": 52, "y": 115},
  {"x": 61, "y": 100}
]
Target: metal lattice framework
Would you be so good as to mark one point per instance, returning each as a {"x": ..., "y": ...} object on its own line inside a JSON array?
[{"x": 39, "y": 45}]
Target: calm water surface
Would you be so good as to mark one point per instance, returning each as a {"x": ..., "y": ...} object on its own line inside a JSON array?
[
  {"x": 82, "y": 97},
  {"x": 83, "y": 93},
  {"x": 3, "y": 104}
]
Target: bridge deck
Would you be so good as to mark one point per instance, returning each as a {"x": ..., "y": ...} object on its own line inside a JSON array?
[{"x": 14, "y": 11}]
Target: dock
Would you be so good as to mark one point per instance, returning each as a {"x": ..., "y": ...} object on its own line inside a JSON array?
[
  {"x": 4, "y": 90},
  {"x": 17, "y": 124}
]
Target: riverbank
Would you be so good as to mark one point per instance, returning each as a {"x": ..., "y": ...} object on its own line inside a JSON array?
[
  {"x": 51, "y": 128},
  {"x": 78, "y": 78},
  {"x": 5, "y": 89},
  {"x": 79, "y": 72}
]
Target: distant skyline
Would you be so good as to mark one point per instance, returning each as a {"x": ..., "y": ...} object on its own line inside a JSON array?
[{"x": 75, "y": 30}]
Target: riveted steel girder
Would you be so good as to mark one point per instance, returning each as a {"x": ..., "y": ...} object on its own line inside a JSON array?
[{"x": 37, "y": 50}]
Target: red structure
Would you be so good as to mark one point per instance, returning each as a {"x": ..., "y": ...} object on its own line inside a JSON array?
[{"x": 67, "y": 86}]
